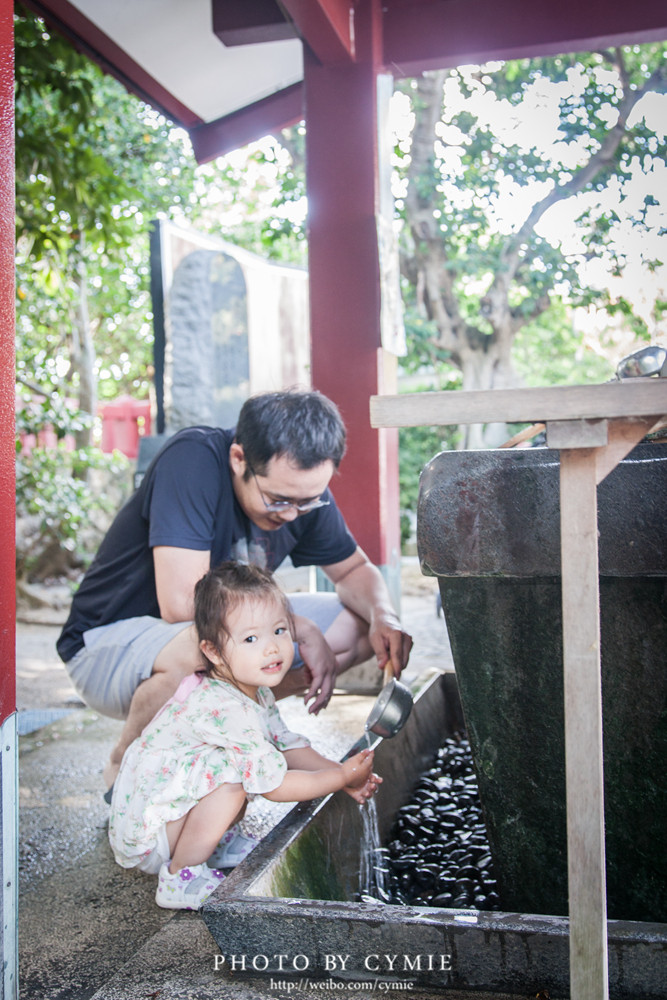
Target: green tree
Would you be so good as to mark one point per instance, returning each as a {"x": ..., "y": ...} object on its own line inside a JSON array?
[
  {"x": 255, "y": 197},
  {"x": 477, "y": 279},
  {"x": 60, "y": 514},
  {"x": 93, "y": 167}
]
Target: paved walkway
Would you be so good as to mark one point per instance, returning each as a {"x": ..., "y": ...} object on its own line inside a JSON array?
[{"x": 81, "y": 917}]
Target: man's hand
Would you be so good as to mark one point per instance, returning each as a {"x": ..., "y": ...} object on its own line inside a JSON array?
[
  {"x": 389, "y": 641},
  {"x": 320, "y": 665},
  {"x": 361, "y": 588}
]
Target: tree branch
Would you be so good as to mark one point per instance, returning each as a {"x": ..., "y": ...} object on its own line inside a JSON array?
[
  {"x": 587, "y": 173},
  {"x": 35, "y": 389}
]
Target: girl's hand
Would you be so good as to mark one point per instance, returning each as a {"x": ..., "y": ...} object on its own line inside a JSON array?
[
  {"x": 367, "y": 791},
  {"x": 357, "y": 770}
]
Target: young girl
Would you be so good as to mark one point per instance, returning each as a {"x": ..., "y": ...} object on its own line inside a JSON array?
[{"x": 185, "y": 781}]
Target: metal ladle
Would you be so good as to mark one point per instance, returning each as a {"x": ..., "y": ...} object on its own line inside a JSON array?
[
  {"x": 392, "y": 706},
  {"x": 648, "y": 361}
]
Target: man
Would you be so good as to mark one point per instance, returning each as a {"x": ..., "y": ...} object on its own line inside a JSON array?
[{"x": 257, "y": 494}]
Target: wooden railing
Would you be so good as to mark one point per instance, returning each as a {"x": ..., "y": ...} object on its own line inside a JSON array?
[{"x": 593, "y": 428}]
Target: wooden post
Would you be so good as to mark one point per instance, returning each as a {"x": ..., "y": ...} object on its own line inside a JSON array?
[{"x": 583, "y": 726}]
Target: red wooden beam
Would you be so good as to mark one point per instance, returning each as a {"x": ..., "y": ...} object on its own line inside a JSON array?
[
  {"x": 327, "y": 27},
  {"x": 236, "y": 22},
  {"x": 87, "y": 38},
  {"x": 349, "y": 363},
  {"x": 265, "y": 117},
  {"x": 422, "y": 36}
]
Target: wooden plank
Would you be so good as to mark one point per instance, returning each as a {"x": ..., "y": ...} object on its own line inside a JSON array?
[
  {"x": 583, "y": 726},
  {"x": 525, "y": 435},
  {"x": 634, "y": 397},
  {"x": 237, "y": 22},
  {"x": 421, "y": 36},
  {"x": 225, "y": 134}
]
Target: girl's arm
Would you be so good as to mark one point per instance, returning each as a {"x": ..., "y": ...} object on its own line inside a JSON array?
[
  {"x": 307, "y": 759},
  {"x": 310, "y": 775}
]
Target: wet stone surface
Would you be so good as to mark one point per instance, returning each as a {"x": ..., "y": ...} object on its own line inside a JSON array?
[{"x": 438, "y": 853}]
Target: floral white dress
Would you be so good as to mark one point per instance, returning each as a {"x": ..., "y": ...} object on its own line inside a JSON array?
[{"x": 208, "y": 734}]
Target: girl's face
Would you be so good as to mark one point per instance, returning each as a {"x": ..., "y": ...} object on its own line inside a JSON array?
[{"x": 260, "y": 647}]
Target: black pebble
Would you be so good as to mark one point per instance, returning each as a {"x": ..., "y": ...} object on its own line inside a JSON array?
[{"x": 438, "y": 852}]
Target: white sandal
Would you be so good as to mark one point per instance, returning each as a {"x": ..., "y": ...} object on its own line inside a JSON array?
[{"x": 188, "y": 888}]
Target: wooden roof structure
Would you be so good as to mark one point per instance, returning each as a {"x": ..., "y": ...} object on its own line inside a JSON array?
[{"x": 233, "y": 70}]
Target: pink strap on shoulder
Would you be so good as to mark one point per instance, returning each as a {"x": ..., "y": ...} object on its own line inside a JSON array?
[{"x": 187, "y": 685}]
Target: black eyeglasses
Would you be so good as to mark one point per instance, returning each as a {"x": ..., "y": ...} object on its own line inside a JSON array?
[{"x": 276, "y": 506}]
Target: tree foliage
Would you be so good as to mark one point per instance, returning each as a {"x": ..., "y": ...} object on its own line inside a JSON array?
[
  {"x": 480, "y": 270},
  {"x": 256, "y": 197},
  {"x": 60, "y": 515},
  {"x": 93, "y": 167}
]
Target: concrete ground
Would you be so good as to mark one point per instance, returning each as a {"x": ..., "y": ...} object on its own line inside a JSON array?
[{"x": 88, "y": 928}]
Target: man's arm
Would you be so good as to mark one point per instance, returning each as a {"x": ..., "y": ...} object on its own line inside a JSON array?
[
  {"x": 361, "y": 588},
  {"x": 176, "y": 573}
]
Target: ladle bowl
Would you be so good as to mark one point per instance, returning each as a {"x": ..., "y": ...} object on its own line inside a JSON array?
[{"x": 392, "y": 707}]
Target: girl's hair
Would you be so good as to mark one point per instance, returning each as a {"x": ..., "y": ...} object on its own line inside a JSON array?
[{"x": 220, "y": 591}]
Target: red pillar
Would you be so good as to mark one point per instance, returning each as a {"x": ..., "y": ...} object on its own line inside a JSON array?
[
  {"x": 349, "y": 363},
  {"x": 8, "y": 737},
  {"x": 7, "y": 450}
]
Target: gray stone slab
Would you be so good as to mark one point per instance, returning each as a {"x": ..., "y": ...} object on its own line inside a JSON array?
[{"x": 207, "y": 367}]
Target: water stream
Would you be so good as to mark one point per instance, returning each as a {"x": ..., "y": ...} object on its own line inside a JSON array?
[
  {"x": 438, "y": 852},
  {"x": 373, "y": 870}
]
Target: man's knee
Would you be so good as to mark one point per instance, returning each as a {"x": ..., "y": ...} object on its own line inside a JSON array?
[
  {"x": 348, "y": 639},
  {"x": 180, "y": 657}
]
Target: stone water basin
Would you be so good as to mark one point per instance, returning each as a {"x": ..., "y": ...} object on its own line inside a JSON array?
[
  {"x": 289, "y": 910},
  {"x": 489, "y": 531}
]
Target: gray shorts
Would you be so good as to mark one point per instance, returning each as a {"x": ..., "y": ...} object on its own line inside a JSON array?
[{"x": 116, "y": 658}]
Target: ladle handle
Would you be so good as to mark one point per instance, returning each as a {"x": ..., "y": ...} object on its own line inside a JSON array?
[{"x": 389, "y": 672}]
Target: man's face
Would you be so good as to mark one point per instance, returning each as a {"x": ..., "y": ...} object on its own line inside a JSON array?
[{"x": 282, "y": 480}]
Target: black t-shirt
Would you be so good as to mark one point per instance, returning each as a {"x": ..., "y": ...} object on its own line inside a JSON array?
[{"x": 186, "y": 500}]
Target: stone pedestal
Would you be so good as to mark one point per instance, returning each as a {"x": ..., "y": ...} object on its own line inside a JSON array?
[{"x": 227, "y": 324}]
